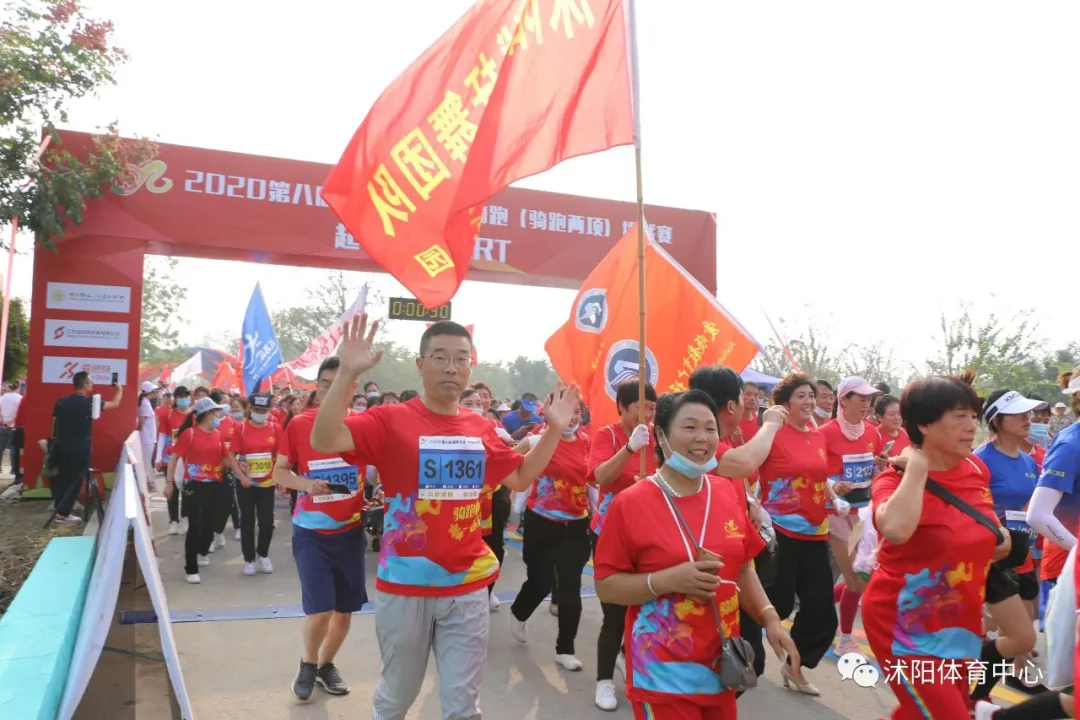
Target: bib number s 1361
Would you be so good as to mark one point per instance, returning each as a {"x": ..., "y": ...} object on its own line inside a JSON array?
[{"x": 451, "y": 468}]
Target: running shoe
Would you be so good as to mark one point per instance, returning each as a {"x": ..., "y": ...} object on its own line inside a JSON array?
[
  {"x": 220, "y": 540},
  {"x": 517, "y": 629},
  {"x": 68, "y": 519},
  {"x": 328, "y": 677},
  {"x": 304, "y": 684},
  {"x": 236, "y": 535},
  {"x": 568, "y": 662},
  {"x": 194, "y": 579},
  {"x": 249, "y": 569},
  {"x": 204, "y": 560},
  {"x": 846, "y": 644},
  {"x": 605, "y": 695},
  {"x": 493, "y": 602},
  {"x": 174, "y": 528},
  {"x": 265, "y": 566}
]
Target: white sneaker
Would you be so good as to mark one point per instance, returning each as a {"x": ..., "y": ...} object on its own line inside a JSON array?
[
  {"x": 204, "y": 560},
  {"x": 620, "y": 665},
  {"x": 184, "y": 526},
  {"x": 517, "y": 629},
  {"x": 493, "y": 602},
  {"x": 174, "y": 528},
  {"x": 249, "y": 568},
  {"x": 605, "y": 695},
  {"x": 236, "y": 536},
  {"x": 265, "y": 566},
  {"x": 213, "y": 547},
  {"x": 68, "y": 519},
  {"x": 220, "y": 540},
  {"x": 194, "y": 579},
  {"x": 569, "y": 662},
  {"x": 985, "y": 710}
]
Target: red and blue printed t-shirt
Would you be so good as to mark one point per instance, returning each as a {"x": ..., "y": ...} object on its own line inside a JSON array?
[
  {"x": 561, "y": 493},
  {"x": 1012, "y": 481},
  {"x": 1061, "y": 471},
  {"x": 171, "y": 427},
  {"x": 926, "y": 595},
  {"x": 793, "y": 480},
  {"x": 606, "y": 443},
  {"x": 202, "y": 453},
  {"x": 433, "y": 469},
  {"x": 672, "y": 643},
  {"x": 258, "y": 447},
  {"x": 340, "y": 510},
  {"x": 852, "y": 461}
]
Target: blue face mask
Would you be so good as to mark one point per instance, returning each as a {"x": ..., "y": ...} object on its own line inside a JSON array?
[
  {"x": 215, "y": 422},
  {"x": 570, "y": 431},
  {"x": 237, "y": 415},
  {"x": 183, "y": 402},
  {"x": 687, "y": 467},
  {"x": 1039, "y": 434}
]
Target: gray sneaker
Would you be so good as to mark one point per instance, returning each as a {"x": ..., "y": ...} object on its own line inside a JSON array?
[
  {"x": 330, "y": 680},
  {"x": 304, "y": 684}
]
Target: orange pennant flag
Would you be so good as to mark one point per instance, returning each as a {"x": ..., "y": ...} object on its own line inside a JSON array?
[
  {"x": 225, "y": 378},
  {"x": 685, "y": 327},
  {"x": 513, "y": 89}
]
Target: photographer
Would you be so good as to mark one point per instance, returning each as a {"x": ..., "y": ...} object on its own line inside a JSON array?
[{"x": 72, "y": 430}]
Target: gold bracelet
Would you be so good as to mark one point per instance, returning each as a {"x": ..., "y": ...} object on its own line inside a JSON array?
[{"x": 761, "y": 614}]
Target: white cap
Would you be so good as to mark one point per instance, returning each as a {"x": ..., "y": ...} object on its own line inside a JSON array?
[
  {"x": 148, "y": 387},
  {"x": 1011, "y": 403},
  {"x": 1061, "y": 406},
  {"x": 503, "y": 408},
  {"x": 1074, "y": 387},
  {"x": 205, "y": 405}
]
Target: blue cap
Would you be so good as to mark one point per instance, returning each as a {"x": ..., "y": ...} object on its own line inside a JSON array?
[{"x": 529, "y": 405}]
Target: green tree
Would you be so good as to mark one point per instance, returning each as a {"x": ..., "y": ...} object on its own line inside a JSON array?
[
  {"x": 528, "y": 375},
  {"x": 1006, "y": 353},
  {"x": 877, "y": 363},
  {"x": 17, "y": 349},
  {"x": 161, "y": 300},
  {"x": 295, "y": 327},
  {"x": 811, "y": 350},
  {"x": 52, "y": 53}
]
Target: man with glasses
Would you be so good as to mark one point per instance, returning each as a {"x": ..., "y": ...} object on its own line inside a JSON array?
[{"x": 435, "y": 464}]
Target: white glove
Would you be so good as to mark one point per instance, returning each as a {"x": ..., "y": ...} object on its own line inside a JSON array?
[
  {"x": 842, "y": 506},
  {"x": 639, "y": 438},
  {"x": 503, "y": 435}
]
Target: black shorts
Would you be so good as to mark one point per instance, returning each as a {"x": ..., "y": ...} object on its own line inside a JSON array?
[
  {"x": 1029, "y": 585},
  {"x": 1003, "y": 584}
]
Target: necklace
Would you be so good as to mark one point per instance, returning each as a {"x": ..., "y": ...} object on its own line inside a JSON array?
[{"x": 671, "y": 490}]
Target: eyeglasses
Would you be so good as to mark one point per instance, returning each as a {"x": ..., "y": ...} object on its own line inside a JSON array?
[{"x": 441, "y": 361}]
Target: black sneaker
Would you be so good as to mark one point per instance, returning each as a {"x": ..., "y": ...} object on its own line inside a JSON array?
[
  {"x": 328, "y": 677},
  {"x": 304, "y": 684}
]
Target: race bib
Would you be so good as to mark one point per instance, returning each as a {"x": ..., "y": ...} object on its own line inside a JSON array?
[
  {"x": 858, "y": 471},
  {"x": 260, "y": 465},
  {"x": 1017, "y": 520},
  {"x": 451, "y": 468},
  {"x": 343, "y": 479}
]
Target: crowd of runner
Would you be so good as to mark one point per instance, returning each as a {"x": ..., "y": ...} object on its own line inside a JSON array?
[{"x": 711, "y": 516}]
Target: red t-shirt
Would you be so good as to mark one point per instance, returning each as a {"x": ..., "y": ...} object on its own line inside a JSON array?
[
  {"x": 433, "y": 469},
  {"x": 672, "y": 641},
  {"x": 560, "y": 492},
  {"x": 161, "y": 413},
  {"x": 1038, "y": 454},
  {"x": 738, "y": 483},
  {"x": 793, "y": 483},
  {"x": 852, "y": 461},
  {"x": 227, "y": 427},
  {"x": 925, "y": 597},
  {"x": 203, "y": 454},
  {"x": 899, "y": 442},
  {"x": 171, "y": 427},
  {"x": 606, "y": 443},
  {"x": 258, "y": 447},
  {"x": 278, "y": 414},
  {"x": 343, "y": 508},
  {"x": 749, "y": 429}
]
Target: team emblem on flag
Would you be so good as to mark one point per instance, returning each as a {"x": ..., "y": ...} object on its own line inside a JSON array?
[
  {"x": 622, "y": 365},
  {"x": 592, "y": 311}
]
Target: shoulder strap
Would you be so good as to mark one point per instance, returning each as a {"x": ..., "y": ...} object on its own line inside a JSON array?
[{"x": 937, "y": 489}]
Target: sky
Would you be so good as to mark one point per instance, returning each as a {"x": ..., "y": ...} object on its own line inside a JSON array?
[{"x": 871, "y": 165}]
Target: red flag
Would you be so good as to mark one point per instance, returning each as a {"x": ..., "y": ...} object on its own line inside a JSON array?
[
  {"x": 225, "y": 377},
  {"x": 685, "y": 327},
  {"x": 166, "y": 375},
  {"x": 514, "y": 88}
]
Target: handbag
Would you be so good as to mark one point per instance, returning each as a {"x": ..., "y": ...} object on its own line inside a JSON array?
[{"x": 736, "y": 661}]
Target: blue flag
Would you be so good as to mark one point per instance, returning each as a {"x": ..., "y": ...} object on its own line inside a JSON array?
[{"x": 262, "y": 354}]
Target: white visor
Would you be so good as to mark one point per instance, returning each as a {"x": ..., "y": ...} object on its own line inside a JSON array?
[
  {"x": 1074, "y": 387},
  {"x": 1011, "y": 403}
]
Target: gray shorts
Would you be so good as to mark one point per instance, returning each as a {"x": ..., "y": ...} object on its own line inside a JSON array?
[{"x": 409, "y": 629}]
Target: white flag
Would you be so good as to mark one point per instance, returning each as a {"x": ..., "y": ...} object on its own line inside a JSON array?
[
  {"x": 322, "y": 347},
  {"x": 190, "y": 367}
]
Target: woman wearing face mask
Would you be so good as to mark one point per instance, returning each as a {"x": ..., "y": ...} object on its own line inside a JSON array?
[
  {"x": 484, "y": 392},
  {"x": 825, "y": 398},
  {"x": 794, "y": 489},
  {"x": 254, "y": 448},
  {"x": 557, "y": 541},
  {"x": 1038, "y": 438},
  {"x": 371, "y": 392},
  {"x": 853, "y": 447},
  {"x": 648, "y": 559},
  {"x": 923, "y": 603},
  {"x": 359, "y": 403},
  {"x": 389, "y": 398},
  {"x": 1013, "y": 475},
  {"x": 201, "y": 455},
  {"x": 893, "y": 434},
  {"x": 199, "y": 393},
  {"x": 174, "y": 421}
]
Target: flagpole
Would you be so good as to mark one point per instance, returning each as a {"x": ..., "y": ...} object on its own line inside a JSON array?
[{"x": 635, "y": 92}]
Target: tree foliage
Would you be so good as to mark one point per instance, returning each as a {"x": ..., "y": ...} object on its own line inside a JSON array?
[
  {"x": 161, "y": 300},
  {"x": 51, "y": 53},
  {"x": 17, "y": 350}
]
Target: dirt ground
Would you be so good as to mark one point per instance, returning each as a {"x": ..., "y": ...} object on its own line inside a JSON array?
[{"x": 22, "y": 540}]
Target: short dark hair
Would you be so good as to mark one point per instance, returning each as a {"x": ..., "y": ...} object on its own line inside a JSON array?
[
  {"x": 466, "y": 394},
  {"x": 783, "y": 391},
  {"x": 994, "y": 422},
  {"x": 219, "y": 396},
  {"x": 627, "y": 393},
  {"x": 883, "y": 387},
  {"x": 824, "y": 384},
  {"x": 720, "y": 383},
  {"x": 750, "y": 384},
  {"x": 668, "y": 406},
  {"x": 369, "y": 383},
  {"x": 407, "y": 395},
  {"x": 331, "y": 363},
  {"x": 883, "y": 403},
  {"x": 80, "y": 379},
  {"x": 443, "y": 327},
  {"x": 181, "y": 391},
  {"x": 926, "y": 401}
]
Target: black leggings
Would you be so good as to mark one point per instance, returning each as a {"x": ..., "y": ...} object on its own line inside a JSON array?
[
  {"x": 200, "y": 499},
  {"x": 500, "y": 514},
  {"x": 610, "y": 641},
  {"x": 553, "y": 545},
  {"x": 227, "y": 505},
  {"x": 174, "y": 508},
  {"x": 803, "y": 569},
  {"x": 256, "y": 504}
]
